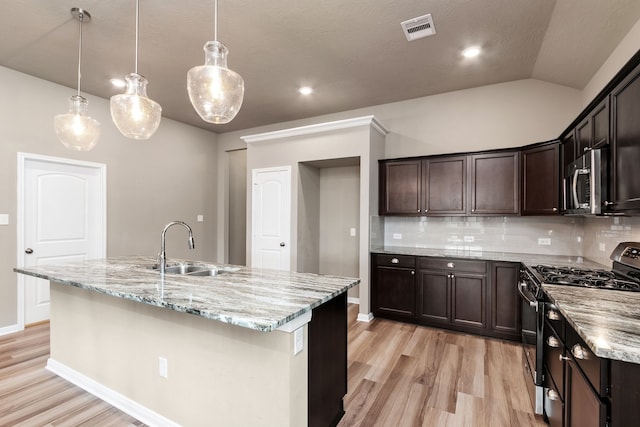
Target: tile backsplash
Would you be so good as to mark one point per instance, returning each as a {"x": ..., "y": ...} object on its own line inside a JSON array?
[{"x": 591, "y": 237}]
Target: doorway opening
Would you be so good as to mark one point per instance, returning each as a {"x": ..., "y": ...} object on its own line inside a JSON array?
[{"x": 329, "y": 218}]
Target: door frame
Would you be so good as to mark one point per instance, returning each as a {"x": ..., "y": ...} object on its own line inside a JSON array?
[{"x": 23, "y": 159}]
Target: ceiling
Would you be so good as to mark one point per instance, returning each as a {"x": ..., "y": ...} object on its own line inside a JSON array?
[{"x": 353, "y": 53}]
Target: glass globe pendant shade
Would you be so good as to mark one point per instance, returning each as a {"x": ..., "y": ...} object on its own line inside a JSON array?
[
  {"x": 75, "y": 129},
  {"x": 134, "y": 114},
  {"x": 215, "y": 91}
]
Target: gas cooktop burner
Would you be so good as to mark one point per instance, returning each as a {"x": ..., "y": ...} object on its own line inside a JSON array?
[{"x": 600, "y": 279}]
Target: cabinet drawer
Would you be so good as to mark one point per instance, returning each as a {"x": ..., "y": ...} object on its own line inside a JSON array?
[
  {"x": 594, "y": 368},
  {"x": 554, "y": 318},
  {"x": 553, "y": 350},
  {"x": 553, "y": 405},
  {"x": 404, "y": 261},
  {"x": 457, "y": 265}
]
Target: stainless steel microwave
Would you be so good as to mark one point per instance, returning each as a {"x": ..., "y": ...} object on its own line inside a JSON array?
[{"x": 586, "y": 184}]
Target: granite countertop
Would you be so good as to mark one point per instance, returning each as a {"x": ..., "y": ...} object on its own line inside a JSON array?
[
  {"x": 528, "y": 259},
  {"x": 257, "y": 299},
  {"x": 607, "y": 320}
]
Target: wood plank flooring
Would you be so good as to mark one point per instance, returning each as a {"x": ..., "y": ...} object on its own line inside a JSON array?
[
  {"x": 408, "y": 375},
  {"x": 398, "y": 375},
  {"x": 32, "y": 396}
]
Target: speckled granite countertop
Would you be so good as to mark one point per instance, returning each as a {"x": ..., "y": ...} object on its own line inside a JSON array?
[
  {"x": 528, "y": 259},
  {"x": 607, "y": 320},
  {"x": 257, "y": 299}
]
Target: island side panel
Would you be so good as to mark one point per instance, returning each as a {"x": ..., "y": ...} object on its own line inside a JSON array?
[{"x": 216, "y": 372}]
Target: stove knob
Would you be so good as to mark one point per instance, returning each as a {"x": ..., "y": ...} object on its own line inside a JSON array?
[
  {"x": 553, "y": 395},
  {"x": 553, "y": 342},
  {"x": 579, "y": 352}
]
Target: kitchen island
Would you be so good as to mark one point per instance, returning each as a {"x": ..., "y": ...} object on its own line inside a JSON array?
[{"x": 244, "y": 347}]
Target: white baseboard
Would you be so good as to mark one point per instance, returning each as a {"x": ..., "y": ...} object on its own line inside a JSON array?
[
  {"x": 365, "y": 317},
  {"x": 123, "y": 403},
  {"x": 353, "y": 300},
  {"x": 10, "y": 329}
]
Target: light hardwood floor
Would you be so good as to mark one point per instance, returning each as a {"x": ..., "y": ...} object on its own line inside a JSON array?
[
  {"x": 408, "y": 375},
  {"x": 398, "y": 375}
]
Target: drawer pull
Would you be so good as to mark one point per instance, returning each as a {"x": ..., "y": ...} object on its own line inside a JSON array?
[
  {"x": 553, "y": 395},
  {"x": 553, "y": 342},
  {"x": 553, "y": 315},
  {"x": 395, "y": 260},
  {"x": 579, "y": 352},
  {"x": 413, "y": 272},
  {"x": 451, "y": 265}
]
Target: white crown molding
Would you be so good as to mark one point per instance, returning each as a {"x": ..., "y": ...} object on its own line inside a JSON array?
[
  {"x": 317, "y": 128},
  {"x": 123, "y": 403}
]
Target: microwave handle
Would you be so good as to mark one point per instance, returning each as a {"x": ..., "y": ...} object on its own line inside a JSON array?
[{"x": 574, "y": 188}]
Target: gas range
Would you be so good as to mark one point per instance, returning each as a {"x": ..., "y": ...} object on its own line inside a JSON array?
[{"x": 624, "y": 275}]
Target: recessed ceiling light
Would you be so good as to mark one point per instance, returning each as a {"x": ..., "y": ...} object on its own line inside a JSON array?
[
  {"x": 306, "y": 90},
  {"x": 119, "y": 83},
  {"x": 471, "y": 52}
]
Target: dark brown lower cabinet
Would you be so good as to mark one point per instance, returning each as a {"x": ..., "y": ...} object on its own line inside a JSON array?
[
  {"x": 505, "y": 306},
  {"x": 583, "y": 408},
  {"x": 327, "y": 362},
  {"x": 393, "y": 286},
  {"x": 452, "y": 293}
]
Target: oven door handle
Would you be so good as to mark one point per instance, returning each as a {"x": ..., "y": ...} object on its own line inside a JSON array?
[{"x": 532, "y": 301}]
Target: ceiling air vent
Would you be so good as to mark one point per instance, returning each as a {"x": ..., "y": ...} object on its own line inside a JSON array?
[{"x": 417, "y": 28}]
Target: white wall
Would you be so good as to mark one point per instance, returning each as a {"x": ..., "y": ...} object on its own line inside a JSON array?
[{"x": 149, "y": 183}]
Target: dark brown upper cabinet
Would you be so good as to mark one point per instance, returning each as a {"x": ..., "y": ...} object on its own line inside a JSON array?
[
  {"x": 625, "y": 131},
  {"x": 568, "y": 151},
  {"x": 495, "y": 184},
  {"x": 445, "y": 186},
  {"x": 593, "y": 130},
  {"x": 401, "y": 187},
  {"x": 541, "y": 180}
]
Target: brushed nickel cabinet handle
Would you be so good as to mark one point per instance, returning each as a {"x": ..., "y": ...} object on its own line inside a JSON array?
[
  {"x": 554, "y": 342},
  {"x": 395, "y": 260},
  {"x": 451, "y": 265},
  {"x": 28, "y": 251},
  {"x": 555, "y": 209},
  {"x": 579, "y": 352},
  {"x": 413, "y": 272},
  {"x": 553, "y": 315}
]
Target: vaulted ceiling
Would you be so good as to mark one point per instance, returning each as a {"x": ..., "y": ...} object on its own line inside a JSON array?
[{"x": 353, "y": 53}]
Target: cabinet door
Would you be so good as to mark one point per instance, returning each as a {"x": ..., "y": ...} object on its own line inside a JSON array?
[
  {"x": 582, "y": 406},
  {"x": 401, "y": 187},
  {"x": 541, "y": 180},
  {"x": 394, "y": 293},
  {"x": 495, "y": 184},
  {"x": 568, "y": 151},
  {"x": 584, "y": 133},
  {"x": 468, "y": 293},
  {"x": 445, "y": 181},
  {"x": 434, "y": 297},
  {"x": 505, "y": 301},
  {"x": 600, "y": 119},
  {"x": 625, "y": 105}
]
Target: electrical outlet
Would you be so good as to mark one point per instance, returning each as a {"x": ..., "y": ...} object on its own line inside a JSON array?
[
  {"x": 298, "y": 340},
  {"x": 4, "y": 219},
  {"x": 199, "y": 218},
  {"x": 397, "y": 236},
  {"x": 163, "y": 367},
  {"x": 601, "y": 247},
  {"x": 352, "y": 231},
  {"x": 469, "y": 239},
  {"x": 544, "y": 241}
]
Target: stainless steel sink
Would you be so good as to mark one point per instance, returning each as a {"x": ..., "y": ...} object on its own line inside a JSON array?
[{"x": 189, "y": 269}]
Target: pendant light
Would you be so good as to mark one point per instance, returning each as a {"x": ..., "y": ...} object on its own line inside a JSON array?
[
  {"x": 75, "y": 129},
  {"x": 215, "y": 91},
  {"x": 134, "y": 114}
]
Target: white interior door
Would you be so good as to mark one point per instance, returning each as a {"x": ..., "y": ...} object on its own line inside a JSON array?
[
  {"x": 271, "y": 218},
  {"x": 63, "y": 219}
]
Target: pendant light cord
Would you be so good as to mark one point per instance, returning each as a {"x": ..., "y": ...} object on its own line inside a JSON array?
[
  {"x": 80, "y": 18},
  {"x": 137, "y": 33},
  {"x": 215, "y": 20}
]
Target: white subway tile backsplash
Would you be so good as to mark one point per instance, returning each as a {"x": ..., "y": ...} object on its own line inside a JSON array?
[{"x": 569, "y": 235}]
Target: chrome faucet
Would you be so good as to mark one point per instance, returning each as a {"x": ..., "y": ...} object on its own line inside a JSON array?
[{"x": 162, "y": 256}]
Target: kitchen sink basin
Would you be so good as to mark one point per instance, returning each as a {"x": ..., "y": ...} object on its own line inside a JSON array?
[{"x": 189, "y": 269}]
